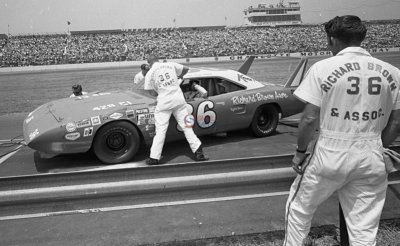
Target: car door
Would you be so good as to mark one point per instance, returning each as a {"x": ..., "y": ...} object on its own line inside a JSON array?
[
  {"x": 233, "y": 115},
  {"x": 203, "y": 113}
]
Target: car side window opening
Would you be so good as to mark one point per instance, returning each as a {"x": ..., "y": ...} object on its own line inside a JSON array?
[
  {"x": 223, "y": 86},
  {"x": 188, "y": 91},
  {"x": 213, "y": 86}
]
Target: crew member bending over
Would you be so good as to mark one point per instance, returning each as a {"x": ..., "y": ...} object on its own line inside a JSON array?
[{"x": 162, "y": 80}]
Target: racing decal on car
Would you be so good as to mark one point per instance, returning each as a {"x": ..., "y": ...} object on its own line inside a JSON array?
[
  {"x": 130, "y": 113},
  {"x": 150, "y": 128},
  {"x": 95, "y": 120},
  {"x": 29, "y": 119},
  {"x": 125, "y": 103},
  {"x": 70, "y": 127},
  {"x": 239, "y": 109},
  {"x": 104, "y": 117},
  {"x": 205, "y": 116},
  {"x": 116, "y": 116},
  {"x": 244, "y": 78},
  {"x": 104, "y": 107},
  {"x": 83, "y": 123},
  {"x": 142, "y": 111},
  {"x": 88, "y": 131},
  {"x": 145, "y": 119},
  {"x": 189, "y": 120},
  {"x": 151, "y": 121},
  {"x": 33, "y": 134},
  {"x": 72, "y": 136},
  {"x": 238, "y": 100}
]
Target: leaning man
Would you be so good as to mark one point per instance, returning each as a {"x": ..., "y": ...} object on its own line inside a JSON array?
[
  {"x": 162, "y": 80},
  {"x": 354, "y": 99}
]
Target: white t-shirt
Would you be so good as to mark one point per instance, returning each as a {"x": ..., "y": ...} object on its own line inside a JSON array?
[
  {"x": 163, "y": 78},
  {"x": 356, "y": 92},
  {"x": 139, "y": 78},
  {"x": 73, "y": 95}
]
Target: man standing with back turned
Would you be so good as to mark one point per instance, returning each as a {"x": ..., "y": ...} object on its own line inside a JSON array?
[
  {"x": 162, "y": 80},
  {"x": 354, "y": 98}
]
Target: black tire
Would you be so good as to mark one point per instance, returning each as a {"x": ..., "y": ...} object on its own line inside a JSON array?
[
  {"x": 116, "y": 142},
  {"x": 265, "y": 121}
]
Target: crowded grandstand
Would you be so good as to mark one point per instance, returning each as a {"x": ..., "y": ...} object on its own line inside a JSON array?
[{"x": 171, "y": 43}]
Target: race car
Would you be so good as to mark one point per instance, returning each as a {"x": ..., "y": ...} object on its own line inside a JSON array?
[{"x": 115, "y": 124}]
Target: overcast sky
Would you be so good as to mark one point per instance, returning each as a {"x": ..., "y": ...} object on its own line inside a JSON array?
[{"x": 50, "y": 16}]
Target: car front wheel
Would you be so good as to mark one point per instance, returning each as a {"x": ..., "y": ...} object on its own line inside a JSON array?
[
  {"x": 116, "y": 142},
  {"x": 265, "y": 121}
]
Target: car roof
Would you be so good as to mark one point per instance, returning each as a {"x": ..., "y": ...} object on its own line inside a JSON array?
[{"x": 232, "y": 75}]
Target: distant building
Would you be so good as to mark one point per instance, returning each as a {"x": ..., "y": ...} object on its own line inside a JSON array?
[{"x": 273, "y": 15}]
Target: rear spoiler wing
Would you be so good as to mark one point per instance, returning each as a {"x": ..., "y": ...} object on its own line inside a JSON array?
[
  {"x": 245, "y": 67},
  {"x": 298, "y": 74}
]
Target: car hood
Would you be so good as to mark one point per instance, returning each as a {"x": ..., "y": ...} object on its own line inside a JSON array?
[{"x": 53, "y": 117}]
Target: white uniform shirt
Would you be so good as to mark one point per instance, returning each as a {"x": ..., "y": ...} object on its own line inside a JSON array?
[
  {"x": 356, "y": 92},
  {"x": 83, "y": 93},
  {"x": 162, "y": 78},
  {"x": 139, "y": 78}
]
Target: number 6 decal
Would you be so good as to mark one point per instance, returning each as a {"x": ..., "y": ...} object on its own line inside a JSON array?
[
  {"x": 205, "y": 115},
  {"x": 205, "y": 118}
]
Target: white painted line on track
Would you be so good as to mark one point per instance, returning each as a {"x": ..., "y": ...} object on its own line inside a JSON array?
[
  {"x": 11, "y": 140},
  {"x": 139, "y": 206},
  {"x": 11, "y": 153}
]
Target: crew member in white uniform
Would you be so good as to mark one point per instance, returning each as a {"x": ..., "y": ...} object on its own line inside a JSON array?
[
  {"x": 138, "y": 80},
  {"x": 77, "y": 91},
  {"x": 354, "y": 97},
  {"x": 162, "y": 79}
]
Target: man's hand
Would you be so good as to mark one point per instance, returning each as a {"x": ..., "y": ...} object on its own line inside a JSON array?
[{"x": 297, "y": 162}]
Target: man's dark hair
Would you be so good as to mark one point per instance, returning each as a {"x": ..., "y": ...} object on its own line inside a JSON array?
[
  {"x": 77, "y": 87},
  {"x": 77, "y": 90},
  {"x": 347, "y": 28},
  {"x": 144, "y": 66},
  {"x": 151, "y": 58}
]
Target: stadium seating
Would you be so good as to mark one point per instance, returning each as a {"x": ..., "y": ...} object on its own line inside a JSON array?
[{"x": 107, "y": 46}]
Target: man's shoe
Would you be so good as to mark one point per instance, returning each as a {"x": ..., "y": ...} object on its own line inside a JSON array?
[
  {"x": 199, "y": 155},
  {"x": 152, "y": 161}
]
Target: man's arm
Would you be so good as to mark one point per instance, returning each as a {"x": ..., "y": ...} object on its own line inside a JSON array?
[
  {"x": 201, "y": 90},
  {"x": 185, "y": 70},
  {"x": 152, "y": 93},
  {"x": 307, "y": 126},
  {"x": 392, "y": 129}
]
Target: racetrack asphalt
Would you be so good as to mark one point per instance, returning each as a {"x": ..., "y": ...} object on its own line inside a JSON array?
[{"x": 159, "y": 222}]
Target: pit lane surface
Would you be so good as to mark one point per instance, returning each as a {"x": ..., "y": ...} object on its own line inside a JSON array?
[{"x": 215, "y": 213}]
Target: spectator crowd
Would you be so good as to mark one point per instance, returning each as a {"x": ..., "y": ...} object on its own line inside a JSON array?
[{"x": 29, "y": 50}]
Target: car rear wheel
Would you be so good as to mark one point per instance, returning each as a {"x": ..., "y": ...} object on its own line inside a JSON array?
[
  {"x": 265, "y": 121},
  {"x": 116, "y": 142}
]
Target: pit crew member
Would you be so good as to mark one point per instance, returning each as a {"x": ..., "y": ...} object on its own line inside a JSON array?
[
  {"x": 354, "y": 99},
  {"x": 162, "y": 81}
]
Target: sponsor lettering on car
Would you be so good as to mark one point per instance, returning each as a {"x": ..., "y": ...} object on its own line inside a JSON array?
[{"x": 72, "y": 136}]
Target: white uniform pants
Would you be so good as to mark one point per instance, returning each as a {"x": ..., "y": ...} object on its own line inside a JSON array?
[
  {"x": 354, "y": 168},
  {"x": 161, "y": 118}
]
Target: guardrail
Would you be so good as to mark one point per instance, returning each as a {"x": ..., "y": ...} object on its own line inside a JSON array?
[
  {"x": 100, "y": 183},
  {"x": 149, "y": 179}
]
